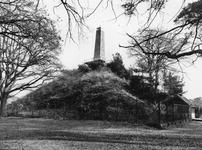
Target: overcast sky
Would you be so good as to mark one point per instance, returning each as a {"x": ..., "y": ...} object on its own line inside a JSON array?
[{"x": 76, "y": 53}]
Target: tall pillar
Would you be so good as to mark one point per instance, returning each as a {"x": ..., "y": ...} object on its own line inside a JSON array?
[{"x": 99, "y": 51}]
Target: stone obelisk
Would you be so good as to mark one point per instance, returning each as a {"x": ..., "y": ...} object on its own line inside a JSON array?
[{"x": 99, "y": 50}]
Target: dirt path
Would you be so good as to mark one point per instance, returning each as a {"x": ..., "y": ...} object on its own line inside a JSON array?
[{"x": 46, "y": 134}]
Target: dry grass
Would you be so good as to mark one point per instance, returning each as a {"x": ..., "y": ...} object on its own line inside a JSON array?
[{"x": 47, "y": 134}]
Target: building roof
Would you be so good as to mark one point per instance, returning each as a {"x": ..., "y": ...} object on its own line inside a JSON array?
[
  {"x": 188, "y": 101},
  {"x": 184, "y": 99}
]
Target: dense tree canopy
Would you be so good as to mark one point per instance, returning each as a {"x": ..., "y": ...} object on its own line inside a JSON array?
[
  {"x": 117, "y": 66},
  {"x": 173, "y": 85}
]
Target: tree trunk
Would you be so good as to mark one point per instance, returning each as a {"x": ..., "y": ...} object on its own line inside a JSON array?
[{"x": 3, "y": 111}]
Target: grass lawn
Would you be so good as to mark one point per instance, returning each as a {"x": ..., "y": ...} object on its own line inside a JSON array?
[{"x": 47, "y": 134}]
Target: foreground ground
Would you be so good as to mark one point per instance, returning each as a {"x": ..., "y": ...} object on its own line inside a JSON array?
[{"x": 46, "y": 134}]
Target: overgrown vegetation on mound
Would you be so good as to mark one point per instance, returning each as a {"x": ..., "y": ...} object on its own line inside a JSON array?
[
  {"x": 99, "y": 95},
  {"x": 102, "y": 92}
]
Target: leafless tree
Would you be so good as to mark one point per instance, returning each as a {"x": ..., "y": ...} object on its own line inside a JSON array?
[
  {"x": 29, "y": 46},
  {"x": 153, "y": 65},
  {"x": 187, "y": 28}
]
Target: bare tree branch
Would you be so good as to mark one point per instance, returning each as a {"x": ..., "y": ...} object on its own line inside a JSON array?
[{"x": 29, "y": 46}]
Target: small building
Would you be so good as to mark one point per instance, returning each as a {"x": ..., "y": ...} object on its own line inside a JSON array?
[{"x": 179, "y": 108}]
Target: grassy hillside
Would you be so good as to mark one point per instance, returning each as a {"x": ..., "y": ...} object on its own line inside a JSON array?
[{"x": 93, "y": 94}]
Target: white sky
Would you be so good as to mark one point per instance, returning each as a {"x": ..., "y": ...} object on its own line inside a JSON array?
[{"x": 76, "y": 53}]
